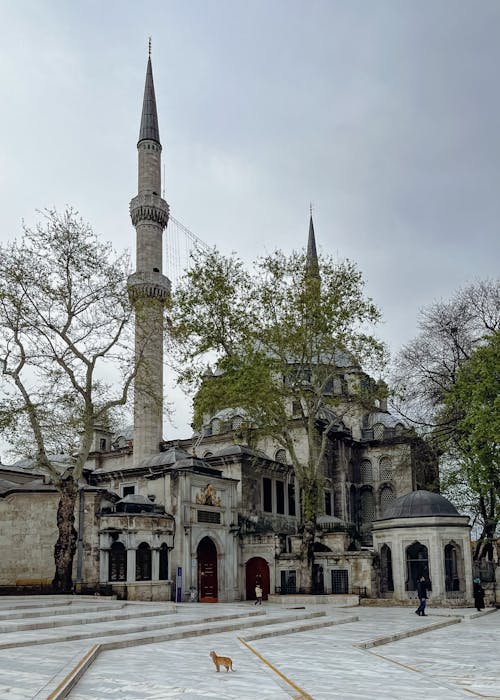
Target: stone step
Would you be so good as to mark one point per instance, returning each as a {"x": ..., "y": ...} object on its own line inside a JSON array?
[
  {"x": 70, "y": 619},
  {"x": 102, "y": 630},
  {"x": 39, "y": 611},
  {"x": 12, "y": 602},
  {"x": 282, "y": 628},
  {"x": 205, "y": 628}
]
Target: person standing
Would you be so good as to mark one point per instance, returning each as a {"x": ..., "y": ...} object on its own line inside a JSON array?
[
  {"x": 258, "y": 594},
  {"x": 478, "y": 595},
  {"x": 422, "y": 596}
]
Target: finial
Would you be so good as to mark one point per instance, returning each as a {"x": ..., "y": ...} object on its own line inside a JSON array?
[
  {"x": 310, "y": 209},
  {"x": 149, "y": 47}
]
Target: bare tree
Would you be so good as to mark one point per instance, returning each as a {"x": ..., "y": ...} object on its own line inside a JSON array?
[
  {"x": 426, "y": 372},
  {"x": 66, "y": 355}
]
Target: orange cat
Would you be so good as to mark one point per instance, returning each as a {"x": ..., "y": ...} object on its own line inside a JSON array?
[{"x": 221, "y": 661}]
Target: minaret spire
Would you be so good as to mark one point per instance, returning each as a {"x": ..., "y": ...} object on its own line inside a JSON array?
[
  {"x": 312, "y": 264},
  {"x": 148, "y": 287}
]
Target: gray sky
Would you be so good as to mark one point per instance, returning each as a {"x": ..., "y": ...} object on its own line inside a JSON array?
[{"x": 384, "y": 114}]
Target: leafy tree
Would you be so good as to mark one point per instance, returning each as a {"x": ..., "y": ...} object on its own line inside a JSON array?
[
  {"x": 65, "y": 355},
  {"x": 473, "y": 406},
  {"x": 425, "y": 374},
  {"x": 283, "y": 335}
]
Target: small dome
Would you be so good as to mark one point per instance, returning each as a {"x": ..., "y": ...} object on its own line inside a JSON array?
[{"x": 417, "y": 504}]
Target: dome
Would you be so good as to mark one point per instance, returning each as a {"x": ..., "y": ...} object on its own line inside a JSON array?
[{"x": 419, "y": 504}]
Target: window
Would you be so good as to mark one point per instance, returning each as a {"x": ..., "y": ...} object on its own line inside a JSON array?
[
  {"x": 386, "y": 580},
  {"x": 207, "y": 454},
  {"x": 128, "y": 490},
  {"x": 417, "y": 565},
  {"x": 288, "y": 581},
  {"x": 385, "y": 469},
  {"x": 386, "y": 497},
  {"x": 280, "y": 456},
  {"x": 236, "y": 423},
  {"x": 280, "y": 497},
  {"x": 367, "y": 506},
  {"x": 102, "y": 443},
  {"x": 143, "y": 562},
  {"x": 328, "y": 503},
  {"x": 163, "y": 575},
  {"x": 216, "y": 426},
  {"x": 117, "y": 562},
  {"x": 452, "y": 580},
  {"x": 291, "y": 498},
  {"x": 399, "y": 429},
  {"x": 378, "y": 431},
  {"x": 268, "y": 495},
  {"x": 208, "y": 516},
  {"x": 366, "y": 472},
  {"x": 296, "y": 408},
  {"x": 340, "y": 581}
]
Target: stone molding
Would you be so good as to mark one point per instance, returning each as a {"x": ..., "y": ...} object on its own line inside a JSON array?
[
  {"x": 149, "y": 207},
  {"x": 152, "y": 285}
]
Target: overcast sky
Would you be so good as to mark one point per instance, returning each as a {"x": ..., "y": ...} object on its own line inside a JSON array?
[{"x": 384, "y": 114}]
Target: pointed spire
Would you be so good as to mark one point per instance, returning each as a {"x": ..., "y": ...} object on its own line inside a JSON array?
[
  {"x": 312, "y": 265},
  {"x": 149, "y": 120}
]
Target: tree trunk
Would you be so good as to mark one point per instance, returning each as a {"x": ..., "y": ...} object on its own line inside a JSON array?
[
  {"x": 65, "y": 547},
  {"x": 307, "y": 555}
]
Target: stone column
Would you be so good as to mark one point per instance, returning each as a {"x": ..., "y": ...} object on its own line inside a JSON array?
[
  {"x": 103, "y": 564},
  {"x": 131, "y": 565},
  {"x": 155, "y": 564}
]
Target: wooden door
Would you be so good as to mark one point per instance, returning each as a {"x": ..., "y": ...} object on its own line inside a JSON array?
[{"x": 207, "y": 571}]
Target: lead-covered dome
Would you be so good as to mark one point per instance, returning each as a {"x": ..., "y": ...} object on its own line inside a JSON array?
[{"x": 419, "y": 504}]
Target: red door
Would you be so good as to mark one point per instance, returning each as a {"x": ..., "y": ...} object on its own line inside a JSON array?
[
  {"x": 207, "y": 571},
  {"x": 257, "y": 571}
]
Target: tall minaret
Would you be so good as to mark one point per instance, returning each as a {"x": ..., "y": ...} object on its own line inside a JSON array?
[{"x": 148, "y": 287}]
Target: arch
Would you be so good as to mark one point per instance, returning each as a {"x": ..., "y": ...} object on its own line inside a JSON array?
[
  {"x": 163, "y": 575},
  {"x": 367, "y": 506},
  {"x": 385, "y": 468},
  {"x": 257, "y": 571},
  {"x": 417, "y": 565},
  {"x": 207, "y": 454},
  {"x": 386, "y": 579},
  {"x": 143, "y": 562},
  {"x": 386, "y": 497},
  {"x": 378, "y": 431},
  {"x": 399, "y": 429},
  {"x": 207, "y": 571},
  {"x": 280, "y": 456},
  {"x": 366, "y": 472},
  {"x": 237, "y": 422},
  {"x": 117, "y": 562},
  {"x": 453, "y": 567}
]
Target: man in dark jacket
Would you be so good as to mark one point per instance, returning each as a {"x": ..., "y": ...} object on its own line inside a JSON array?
[{"x": 422, "y": 596}]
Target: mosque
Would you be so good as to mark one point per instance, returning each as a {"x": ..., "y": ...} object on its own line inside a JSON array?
[{"x": 206, "y": 517}]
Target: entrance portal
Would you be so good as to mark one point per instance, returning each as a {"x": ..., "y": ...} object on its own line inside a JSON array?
[
  {"x": 207, "y": 571},
  {"x": 257, "y": 571}
]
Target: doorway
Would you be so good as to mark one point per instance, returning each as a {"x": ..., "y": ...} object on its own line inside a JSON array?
[
  {"x": 207, "y": 571},
  {"x": 257, "y": 571}
]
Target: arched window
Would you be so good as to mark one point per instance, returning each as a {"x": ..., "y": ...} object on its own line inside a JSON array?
[
  {"x": 143, "y": 562},
  {"x": 452, "y": 578},
  {"x": 386, "y": 580},
  {"x": 417, "y": 565},
  {"x": 216, "y": 426},
  {"x": 207, "y": 454},
  {"x": 366, "y": 472},
  {"x": 386, "y": 497},
  {"x": 280, "y": 456},
  {"x": 367, "y": 506},
  {"x": 385, "y": 469},
  {"x": 117, "y": 562},
  {"x": 378, "y": 431},
  {"x": 399, "y": 429},
  {"x": 353, "y": 505},
  {"x": 236, "y": 423},
  {"x": 163, "y": 576}
]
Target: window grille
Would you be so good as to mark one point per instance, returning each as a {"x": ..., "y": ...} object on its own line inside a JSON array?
[
  {"x": 209, "y": 516},
  {"x": 367, "y": 506},
  {"x": 340, "y": 581},
  {"x": 280, "y": 456},
  {"x": 216, "y": 426},
  {"x": 378, "y": 431},
  {"x": 366, "y": 472},
  {"x": 237, "y": 422},
  {"x": 385, "y": 469},
  {"x": 386, "y": 497}
]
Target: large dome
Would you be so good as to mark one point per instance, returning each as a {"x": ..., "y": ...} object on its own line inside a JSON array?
[{"x": 417, "y": 504}]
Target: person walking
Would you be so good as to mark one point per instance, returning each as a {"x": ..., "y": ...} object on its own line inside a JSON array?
[
  {"x": 258, "y": 594},
  {"x": 478, "y": 595},
  {"x": 422, "y": 596}
]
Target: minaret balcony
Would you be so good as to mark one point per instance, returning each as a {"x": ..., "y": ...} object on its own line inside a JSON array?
[
  {"x": 152, "y": 285},
  {"x": 148, "y": 206}
]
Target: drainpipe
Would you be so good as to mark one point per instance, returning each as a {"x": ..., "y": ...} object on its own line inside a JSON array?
[{"x": 79, "y": 542}]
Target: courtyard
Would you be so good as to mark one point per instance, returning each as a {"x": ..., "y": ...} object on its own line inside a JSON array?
[{"x": 134, "y": 651}]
